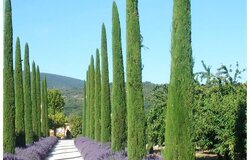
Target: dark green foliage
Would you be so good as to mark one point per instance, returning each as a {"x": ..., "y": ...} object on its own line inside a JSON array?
[
  {"x": 75, "y": 124},
  {"x": 8, "y": 82},
  {"x": 105, "y": 91},
  {"x": 84, "y": 110},
  {"x": 147, "y": 91},
  {"x": 38, "y": 100},
  {"x": 156, "y": 116},
  {"x": 73, "y": 101},
  {"x": 220, "y": 118},
  {"x": 118, "y": 138},
  {"x": 43, "y": 117},
  {"x": 19, "y": 101},
  {"x": 180, "y": 96},
  {"x": 135, "y": 108},
  {"x": 27, "y": 98},
  {"x": 92, "y": 98},
  {"x": 97, "y": 98},
  {"x": 220, "y": 114},
  {"x": 34, "y": 103}
]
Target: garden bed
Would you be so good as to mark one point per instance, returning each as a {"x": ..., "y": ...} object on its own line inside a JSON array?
[
  {"x": 37, "y": 151},
  {"x": 90, "y": 150}
]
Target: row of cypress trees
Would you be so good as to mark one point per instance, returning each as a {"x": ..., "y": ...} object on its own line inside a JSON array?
[
  {"x": 125, "y": 122},
  {"x": 22, "y": 105},
  {"x": 117, "y": 119},
  {"x": 178, "y": 133}
]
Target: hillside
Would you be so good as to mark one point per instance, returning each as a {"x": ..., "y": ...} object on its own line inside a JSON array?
[
  {"x": 61, "y": 82},
  {"x": 72, "y": 91}
]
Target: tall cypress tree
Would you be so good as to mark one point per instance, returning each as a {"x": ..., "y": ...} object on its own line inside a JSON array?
[
  {"x": 43, "y": 125},
  {"x": 87, "y": 104},
  {"x": 135, "y": 106},
  {"x": 46, "y": 108},
  {"x": 178, "y": 133},
  {"x": 19, "y": 101},
  {"x": 92, "y": 98},
  {"x": 118, "y": 138},
  {"x": 27, "y": 98},
  {"x": 84, "y": 110},
  {"x": 38, "y": 100},
  {"x": 8, "y": 82},
  {"x": 34, "y": 102},
  {"x": 105, "y": 91},
  {"x": 97, "y": 98}
]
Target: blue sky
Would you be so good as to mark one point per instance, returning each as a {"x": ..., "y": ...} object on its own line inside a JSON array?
[{"x": 63, "y": 34}]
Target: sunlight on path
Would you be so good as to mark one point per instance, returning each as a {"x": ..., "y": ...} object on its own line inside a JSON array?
[{"x": 64, "y": 150}]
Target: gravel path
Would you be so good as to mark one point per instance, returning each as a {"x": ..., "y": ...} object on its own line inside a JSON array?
[{"x": 64, "y": 150}]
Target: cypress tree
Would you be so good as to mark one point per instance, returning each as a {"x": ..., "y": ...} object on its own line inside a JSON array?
[
  {"x": 118, "y": 138},
  {"x": 38, "y": 100},
  {"x": 8, "y": 82},
  {"x": 97, "y": 98},
  {"x": 34, "y": 102},
  {"x": 43, "y": 126},
  {"x": 135, "y": 106},
  {"x": 87, "y": 104},
  {"x": 19, "y": 101},
  {"x": 92, "y": 98},
  {"x": 27, "y": 98},
  {"x": 178, "y": 133},
  {"x": 46, "y": 108},
  {"x": 84, "y": 110},
  {"x": 105, "y": 91}
]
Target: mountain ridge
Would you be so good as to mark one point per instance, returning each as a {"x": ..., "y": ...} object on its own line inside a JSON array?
[
  {"x": 61, "y": 82},
  {"x": 71, "y": 89}
]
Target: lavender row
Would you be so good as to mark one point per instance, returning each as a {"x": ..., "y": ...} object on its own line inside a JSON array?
[
  {"x": 37, "y": 151},
  {"x": 90, "y": 150}
]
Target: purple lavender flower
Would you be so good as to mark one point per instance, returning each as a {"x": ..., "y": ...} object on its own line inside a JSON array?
[{"x": 37, "y": 151}]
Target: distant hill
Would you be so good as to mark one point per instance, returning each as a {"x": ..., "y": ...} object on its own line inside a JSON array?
[
  {"x": 61, "y": 82},
  {"x": 72, "y": 91}
]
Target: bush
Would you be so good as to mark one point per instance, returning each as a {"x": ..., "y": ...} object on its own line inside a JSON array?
[
  {"x": 37, "y": 151},
  {"x": 75, "y": 123},
  {"x": 220, "y": 119},
  {"x": 156, "y": 116}
]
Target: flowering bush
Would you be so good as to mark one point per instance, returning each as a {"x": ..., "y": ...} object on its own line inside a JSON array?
[
  {"x": 90, "y": 150},
  {"x": 37, "y": 151}
]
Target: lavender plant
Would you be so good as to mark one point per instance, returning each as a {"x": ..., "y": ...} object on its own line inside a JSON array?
[
  {"x": 90, "y": 150},
  {"x": 93, "y": 150},
  {"x": 37, "y": 151}
]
